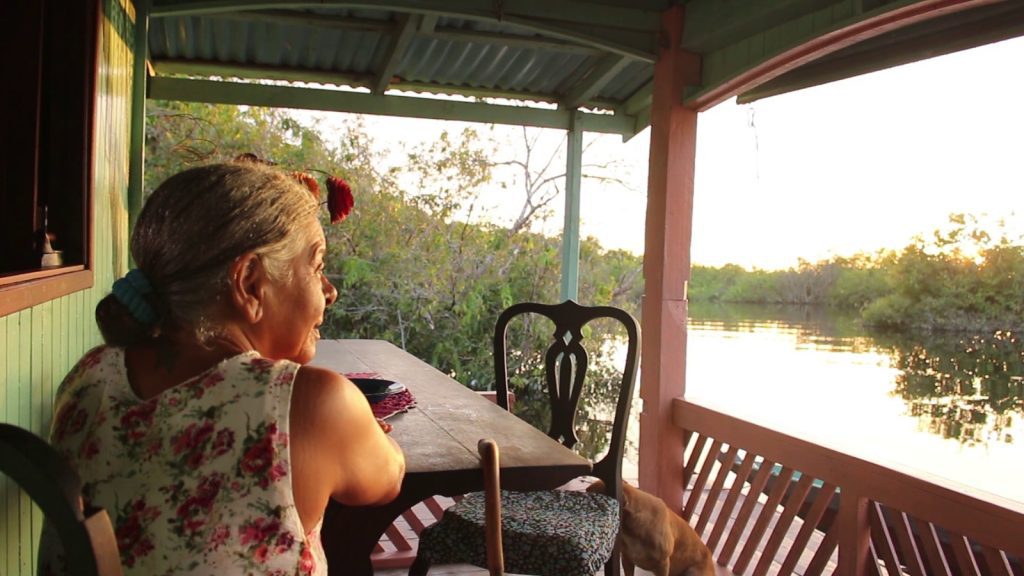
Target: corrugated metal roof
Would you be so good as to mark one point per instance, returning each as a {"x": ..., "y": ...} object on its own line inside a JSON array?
[
  {"x": 595, "y": 55},
  {"x": 599, "y": 61}
]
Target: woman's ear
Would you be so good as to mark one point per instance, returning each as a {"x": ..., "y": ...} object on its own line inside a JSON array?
[{"x": 247, "y": 278}]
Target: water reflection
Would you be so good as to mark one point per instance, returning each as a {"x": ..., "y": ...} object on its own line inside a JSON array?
[
  {"x": 950, "y": 405},
  {"x": 967, "y": 388}
]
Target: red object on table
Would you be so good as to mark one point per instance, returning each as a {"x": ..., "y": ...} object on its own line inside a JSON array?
[{"x": 393, "y": 404}]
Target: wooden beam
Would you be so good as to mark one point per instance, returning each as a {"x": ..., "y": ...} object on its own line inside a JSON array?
[
  {"x": 511, "y": 40},
  {"x": 642, "y": 18},
  {"x": 238, "y": 93},
  {"x": 428, "y": 23},
  {"x": 822, "y": 44},
  {"x": 912, "y": 44},
  {"x": 715, "y": 24},
  {"x": 304, "y": 75},
  {"x": 427, "y": 28},
  {"x": 400, "y": 38},
  {"x": 640, "y": 99},
  {"x": 167, "y": 67},
  {"x": 667, "y": 263},
  {"x": 597, "y": 77},
  {"x": 307, "y": 19}
]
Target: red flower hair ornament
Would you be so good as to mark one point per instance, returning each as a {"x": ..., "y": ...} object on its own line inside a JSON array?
[
  {"x": 339, "y": 193},
  {"x": 339, "y": 199}
]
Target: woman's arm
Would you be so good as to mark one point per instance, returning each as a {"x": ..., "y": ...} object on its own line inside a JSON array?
[{"x": 338, "y": 448}]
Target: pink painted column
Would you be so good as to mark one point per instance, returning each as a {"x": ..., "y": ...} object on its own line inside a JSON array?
[{"x": 667, "y": 263}]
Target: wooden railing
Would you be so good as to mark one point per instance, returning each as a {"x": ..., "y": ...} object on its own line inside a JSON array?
[{"x": 769, "y": 503}]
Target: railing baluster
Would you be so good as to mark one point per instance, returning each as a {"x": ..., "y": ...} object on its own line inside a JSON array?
[
  {"x": 397, "y": 539},
  {"x": 883, "y": 540},
  {"x": 735, "y": 491},
  {"x": 696, "y": 492},
  {"x": 692, "y": 459},
  {"x": 716, "y": 488},
  {"x": 998, "y": 565},
  {"x": 768, "y": 512},
  {"x": 791, "y": 507},
  {"x": 738, "y": 526},
  {"x": 824, "y": 551},
  {"x": 909, "y": 554},
  {"x": 932, "y": 548},
  {"x": 964, "y": 557},
  {"x": 811, "y": 521}
]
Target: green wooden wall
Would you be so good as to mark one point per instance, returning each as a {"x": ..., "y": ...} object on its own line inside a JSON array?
[{"x": 39, "y": 345}]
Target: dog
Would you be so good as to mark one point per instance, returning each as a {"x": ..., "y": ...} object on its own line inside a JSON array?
[{"x": 654, "y": 538}]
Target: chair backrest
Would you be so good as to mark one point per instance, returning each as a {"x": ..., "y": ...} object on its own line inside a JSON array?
[
  {"x": 489, "y": 461},
  {"x": 565, "y": 370},
  {"x": 86, "y": 537}
]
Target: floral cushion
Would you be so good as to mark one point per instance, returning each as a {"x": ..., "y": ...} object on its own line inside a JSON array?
[{"x": 556, "y": 533}]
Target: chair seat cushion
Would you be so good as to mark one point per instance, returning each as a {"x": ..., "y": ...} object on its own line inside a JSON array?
[{"x": 547, "y": 533}]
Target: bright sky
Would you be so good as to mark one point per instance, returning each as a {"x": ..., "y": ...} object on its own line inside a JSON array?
[{"x": 847, "y": 167}]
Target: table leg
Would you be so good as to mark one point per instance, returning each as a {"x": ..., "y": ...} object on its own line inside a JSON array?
[{"x": 349, "y": 534}]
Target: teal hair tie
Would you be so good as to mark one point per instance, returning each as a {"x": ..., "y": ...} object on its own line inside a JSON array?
[{"x": 131, "y": 291}]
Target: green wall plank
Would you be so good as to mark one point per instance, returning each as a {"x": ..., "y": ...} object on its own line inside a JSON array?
[
  {"x": 25, "y": 383},
  {"x": 13, "y": 500},
  {"x": 39, "y": 345}
]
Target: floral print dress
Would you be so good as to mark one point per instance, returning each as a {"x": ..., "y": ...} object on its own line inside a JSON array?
[{"x": 197, "y": 479}]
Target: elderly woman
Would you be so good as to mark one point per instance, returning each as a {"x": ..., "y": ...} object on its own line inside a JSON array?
[{"x": 198, "y": 426}]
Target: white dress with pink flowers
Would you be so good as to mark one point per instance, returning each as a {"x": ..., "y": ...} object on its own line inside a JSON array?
[{"x": 197, "y": 479}]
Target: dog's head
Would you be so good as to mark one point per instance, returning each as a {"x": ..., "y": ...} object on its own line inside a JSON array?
[{"x": 628, "y": 491}]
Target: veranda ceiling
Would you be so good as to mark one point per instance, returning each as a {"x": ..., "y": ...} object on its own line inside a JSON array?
[{"x": 593, "y": 55}]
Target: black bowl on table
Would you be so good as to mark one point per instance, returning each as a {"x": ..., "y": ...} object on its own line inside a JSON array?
[{"x": 377, "y": 389}]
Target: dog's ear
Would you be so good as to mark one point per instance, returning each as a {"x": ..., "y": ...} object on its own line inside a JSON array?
[{"x": 597, "y": 487}]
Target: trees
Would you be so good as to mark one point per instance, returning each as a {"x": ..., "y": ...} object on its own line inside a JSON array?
[{"x": 414, "y": 263}]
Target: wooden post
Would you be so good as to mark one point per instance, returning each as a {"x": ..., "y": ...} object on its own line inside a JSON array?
[
  {"x": 571, "y": 227},
  {"x": 667, "y": 262},
  {"x": 854, "y": 533}
]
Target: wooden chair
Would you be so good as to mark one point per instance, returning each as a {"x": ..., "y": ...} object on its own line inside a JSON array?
[
  {"x": 489, "y": 461},
  {"x": 87, "y": 537},
  {"x": 473, "y": 524},
  {"x": 559, "y": 531}
]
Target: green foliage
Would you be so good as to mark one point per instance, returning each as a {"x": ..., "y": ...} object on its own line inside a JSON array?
[
  {"x": 965, "y": 277},
  {"x": 410, "y": 265}
]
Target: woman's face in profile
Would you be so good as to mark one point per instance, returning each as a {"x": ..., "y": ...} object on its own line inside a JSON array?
[{"x": 294, "y": 308}]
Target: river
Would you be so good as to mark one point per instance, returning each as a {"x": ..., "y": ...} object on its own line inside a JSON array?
[{"x": 952, "y": 406}]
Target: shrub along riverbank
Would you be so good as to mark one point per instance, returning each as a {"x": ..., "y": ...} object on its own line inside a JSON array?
[
  {"x": 965, "y": 277},
  {"x": 410, "y": 269}
]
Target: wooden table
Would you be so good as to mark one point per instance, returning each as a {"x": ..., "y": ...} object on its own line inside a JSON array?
[{"x": 439, "y": 439}]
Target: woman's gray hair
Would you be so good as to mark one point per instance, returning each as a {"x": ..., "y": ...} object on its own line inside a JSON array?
[{"x": 193, "y": 227}]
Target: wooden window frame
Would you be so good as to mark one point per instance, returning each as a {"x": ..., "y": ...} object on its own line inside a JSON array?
[{"x": 46, "y": 158}]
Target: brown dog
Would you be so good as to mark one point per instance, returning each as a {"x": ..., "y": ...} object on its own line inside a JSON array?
[{"x": 654, "y": 538}]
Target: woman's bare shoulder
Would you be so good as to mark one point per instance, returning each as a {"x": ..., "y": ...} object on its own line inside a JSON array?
[{"x": 321, "y": 392}]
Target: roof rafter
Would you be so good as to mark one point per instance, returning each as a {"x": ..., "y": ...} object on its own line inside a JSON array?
[
  {"x": 305, "y": 75},
  {"x": 252, "y": 94},
  {"x": 400, "y": 38},
  {"x": 600, "y": 74}
]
